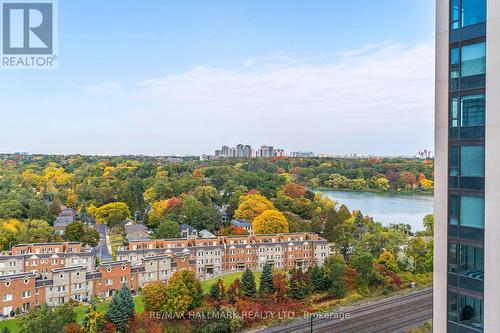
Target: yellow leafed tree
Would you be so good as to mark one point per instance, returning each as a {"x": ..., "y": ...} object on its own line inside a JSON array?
[
  {"x": 252, "y": 206},
  {"x": 270, "y": 222}
]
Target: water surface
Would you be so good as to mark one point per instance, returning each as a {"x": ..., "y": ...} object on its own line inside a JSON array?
[{"x": 386, "y": 208}]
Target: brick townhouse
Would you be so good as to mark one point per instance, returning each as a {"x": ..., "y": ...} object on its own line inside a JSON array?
[
  {"x": 55, "y": 273},
  {"x": 216, "y": 255}
]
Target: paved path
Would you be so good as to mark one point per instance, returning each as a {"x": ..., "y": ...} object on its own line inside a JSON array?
[
  {"x": 394, "y": 314},
  {"x": 102, "y": 249}
]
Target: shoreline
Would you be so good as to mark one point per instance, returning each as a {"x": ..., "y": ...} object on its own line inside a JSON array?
[{"x": 388, "y": 193}]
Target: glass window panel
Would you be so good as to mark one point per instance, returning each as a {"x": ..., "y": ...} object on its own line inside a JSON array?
[
  {"x": 452, "y": 306},
  {"x": 455, "y": 14},
  {"x": 454, "y": 63},
  {"x": 454, "y": 112},
  {"x": 471, "y": 311},
  {"x": 453, "y": 161},
  {"x": 452, "y": 258},
  {"x": 473, "y": 59},
  {"x": 472, "y": 211},
  {"x": 473, "y": 12},
  {"x": 453, "y": 205},
  {"x": 472, "y": 261},
  {"x": 473, "y": 110},
  {"x": 472, "y": 161}
]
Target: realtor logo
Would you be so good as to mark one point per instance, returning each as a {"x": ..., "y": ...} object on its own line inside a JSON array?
[{"x": 28, "y": 34}]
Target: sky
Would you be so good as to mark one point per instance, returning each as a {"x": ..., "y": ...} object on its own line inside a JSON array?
[{"x": 161, "y": 77}]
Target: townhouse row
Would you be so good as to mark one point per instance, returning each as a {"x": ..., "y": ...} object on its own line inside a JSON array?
[
  {"x": 217, "y": 255},
  {"x": 55, "y": 273}
]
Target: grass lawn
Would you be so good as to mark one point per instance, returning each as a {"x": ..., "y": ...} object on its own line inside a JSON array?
[
  {"x": 13, "y": 324},
  {"x": 228, "y": 280}
]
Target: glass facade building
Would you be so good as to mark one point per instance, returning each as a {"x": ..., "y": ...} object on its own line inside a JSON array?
[
  {"x": 466, "y": 140},
  {"x": 466, "y": 233}
]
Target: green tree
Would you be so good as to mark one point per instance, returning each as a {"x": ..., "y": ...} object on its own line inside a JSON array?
[
  {"x": 77, "y": 232},
  {"x": 417, "y": 249},
  {"x": 334, "y": 276},
  {"x": 248, "y": 283},
  {"x": 66, "y": 314},
  {"x": 266, "y": 280},
  {"x": 360, "y": 225},
  {"x": 214, "y": 291},
  {"x": 299, "y": 284},
  {"x": 194, "y": 287},
  {"x": 41, "y": 319},
  {"x": 112, "y": 213},
  {"x": 128, "y": 301},
  {"x": 167, "y": 229},
  {"x": 90, "y": 237},
  {"x": 118, "y": 312},
  {"x": 74, "y": 231},
  {"x": 429, "y": 224},
  {"x": 363, "y": 263},
  {"x": 317, "y": 280}
]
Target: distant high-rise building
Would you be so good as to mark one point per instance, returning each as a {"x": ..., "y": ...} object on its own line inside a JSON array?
[
  {"x": 248, "y": 151},
  {"x": 302, "y": 154},
  {"x": 266, "y": 151},
  {"x": 279, "y": 152},
  {"x": 467, "y": 161}
]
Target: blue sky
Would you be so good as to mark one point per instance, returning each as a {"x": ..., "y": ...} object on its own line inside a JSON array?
[{"x": 184, "y": 77}]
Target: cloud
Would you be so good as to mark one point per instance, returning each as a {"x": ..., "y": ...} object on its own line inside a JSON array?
[{"x": 377, "y": 98}]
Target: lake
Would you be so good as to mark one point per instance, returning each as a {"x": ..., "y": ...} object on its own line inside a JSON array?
[{"x": 387, "y": 208}]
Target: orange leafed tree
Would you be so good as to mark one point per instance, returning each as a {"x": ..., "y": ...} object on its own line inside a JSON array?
[
  {"x": 294, "y": 191},
  {"x": 232, "y": 231}
]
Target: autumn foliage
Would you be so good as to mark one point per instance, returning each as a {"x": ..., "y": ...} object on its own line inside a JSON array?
[
  {"x": 294, "y": 191},
  {"x": 270, "y": 222},
  {"x": 252, "y": 206}
]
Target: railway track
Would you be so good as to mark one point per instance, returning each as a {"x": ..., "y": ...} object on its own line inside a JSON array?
[{"x": 388, "y": 315}]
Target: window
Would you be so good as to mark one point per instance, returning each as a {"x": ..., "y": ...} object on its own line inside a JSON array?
[
  {"x": 472, "y": 261},
  {"x": 452, "y": 258},
  {"x": 7, "y": 297},
  {"x": 472, "y": 161},
  {"x": 472, "y": 211},
  {"x": 473, "y": 110},
  {"x": 452, "y": 306},
  {"x": 109, "y": 282},
  {"x": 453, "y": 161},
  {"x": 471, "y": 311},
  {"x": 454, "y": 63},
  {"x": 473, "y": 12},
  {"x": 26, "y": 294},
  {"x": 473, "y": 59},
  {"x": 455, "y": 14},
  {"x": 453, "y": 210}
]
